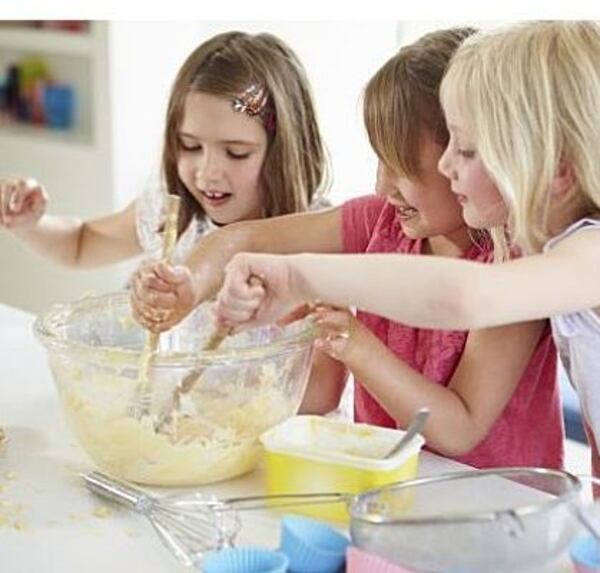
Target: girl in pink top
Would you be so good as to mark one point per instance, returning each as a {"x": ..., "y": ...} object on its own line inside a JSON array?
[
  {"x": 492, "y": 393},
  {"x": 528, "y": 431}
]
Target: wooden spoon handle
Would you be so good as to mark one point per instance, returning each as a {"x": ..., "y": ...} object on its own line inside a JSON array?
[{"x": 170, "y": 232}]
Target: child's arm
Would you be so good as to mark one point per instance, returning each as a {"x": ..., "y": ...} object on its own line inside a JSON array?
[
  {"x": 175, "y": 291},
  {"x": 65, "y": 240},
  {"x": 462, "y": 414},
  {"x": 424, "y": 291},
  {"x": 327, "y": 378},
  {"x": 325, "y": 385}
]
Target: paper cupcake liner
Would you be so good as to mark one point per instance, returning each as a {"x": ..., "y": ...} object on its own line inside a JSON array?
[
  {"x": 358, "y": 561},
  {"x": 312, "y": 546},
  {"x": 585, "y": 554},
  {"x": 245, "y": 560}
]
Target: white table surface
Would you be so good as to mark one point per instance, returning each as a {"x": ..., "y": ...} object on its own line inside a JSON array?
[{"x": 40, "y": 488}]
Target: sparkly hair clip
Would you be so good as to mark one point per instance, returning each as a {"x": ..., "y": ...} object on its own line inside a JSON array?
[{"x": 254, "y": 101}]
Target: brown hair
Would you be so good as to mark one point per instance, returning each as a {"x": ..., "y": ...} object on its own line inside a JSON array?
[
  {"x": 295, "y": 168},
  {"x": 402, "y": 99}
]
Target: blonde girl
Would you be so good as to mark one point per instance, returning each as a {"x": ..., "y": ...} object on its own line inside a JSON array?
[{"x": 241, "y": 142}]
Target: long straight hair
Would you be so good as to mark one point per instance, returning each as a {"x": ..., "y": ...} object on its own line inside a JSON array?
[
  {"x": 295, "y": 168},
  {"x": 531, "y": 95}
]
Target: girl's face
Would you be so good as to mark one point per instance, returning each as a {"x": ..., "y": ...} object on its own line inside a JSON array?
[
  {"x": 425, "y": 206},
  {"x": 220, "y": 157},
  {"x": 482, "y": 204}
]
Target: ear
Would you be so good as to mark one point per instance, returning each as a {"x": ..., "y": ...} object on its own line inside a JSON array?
[{"x": 564, "y": 178}]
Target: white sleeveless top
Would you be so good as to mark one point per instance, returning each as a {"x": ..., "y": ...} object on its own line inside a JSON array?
[
  {"x": 577, "y": 337},
  {"x": 149, "y": 217}
]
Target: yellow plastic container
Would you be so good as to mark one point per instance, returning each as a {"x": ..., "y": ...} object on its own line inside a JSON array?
[{"x": 312, "y": 454}]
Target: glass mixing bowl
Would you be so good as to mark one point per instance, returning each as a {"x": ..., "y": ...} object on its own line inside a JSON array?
[{"x": 253, "y": 381}]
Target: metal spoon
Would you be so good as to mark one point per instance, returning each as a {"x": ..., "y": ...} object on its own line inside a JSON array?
[{"x": 413, "y": 429}]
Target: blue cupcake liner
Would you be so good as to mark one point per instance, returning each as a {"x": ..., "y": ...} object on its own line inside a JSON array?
[
  {"x": 312, "y": 546},
  {"x": 245, "y": 560},
  {"x": 585, "y": 551}
]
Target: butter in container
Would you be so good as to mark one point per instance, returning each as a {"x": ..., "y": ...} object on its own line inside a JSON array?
[{"x": 313, "y": 454}]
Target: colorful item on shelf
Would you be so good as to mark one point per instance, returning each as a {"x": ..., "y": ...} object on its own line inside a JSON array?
[
  {"x": 33, "y": 75},
  {"x": 81, "y": 26},
  {"x": 58, "y": 105},
  {"x": 29, "y": 94},
  {"x": 12, "y": 90},
  {"x": 65, "y": 25}
]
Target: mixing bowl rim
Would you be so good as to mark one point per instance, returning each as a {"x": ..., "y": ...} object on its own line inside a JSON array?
[
  {"x": 50, "y": 340},
  {"x": 374, "y": 518}
]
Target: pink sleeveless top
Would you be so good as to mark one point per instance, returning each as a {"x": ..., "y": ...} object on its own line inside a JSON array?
[{"x": 530, "y": 429}]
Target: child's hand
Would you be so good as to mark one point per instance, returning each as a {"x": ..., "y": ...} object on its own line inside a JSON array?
[
  {"x": 162, "y": 295},
  {"x": 341, "y": 335},
  {"x": 22, "y": 202},
  {"x": 258, "y": 289}
]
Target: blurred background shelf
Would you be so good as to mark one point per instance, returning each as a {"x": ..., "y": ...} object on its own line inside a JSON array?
[
  {"x": 75, "y": 163},
  {"x": 42, "y": 41},
  {"x": 15, "y": 133},
  {"x": 72, "y": 57}
]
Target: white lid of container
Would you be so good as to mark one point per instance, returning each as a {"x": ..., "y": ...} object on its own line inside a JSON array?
[{"x": 339, "y": 442}]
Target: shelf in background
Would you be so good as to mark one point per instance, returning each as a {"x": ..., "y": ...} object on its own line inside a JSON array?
[
  {"x": 46, "y": 41},
  {"x": 40, "y": 134}
]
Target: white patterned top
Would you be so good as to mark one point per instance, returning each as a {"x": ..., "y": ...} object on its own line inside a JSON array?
[
  {"x": 577, "y": 337},
  {"x": 150, "y": 216}
]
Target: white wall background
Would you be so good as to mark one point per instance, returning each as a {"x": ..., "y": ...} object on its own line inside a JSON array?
[{"x": 409, "y": 31}]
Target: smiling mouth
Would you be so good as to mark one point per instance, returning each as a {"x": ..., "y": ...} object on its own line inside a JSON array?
[
  {"x": 406, "y": 212},
  {"x": 215, "y": 195}
]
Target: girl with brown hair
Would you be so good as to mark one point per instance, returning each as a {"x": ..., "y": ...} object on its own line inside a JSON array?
[{"x": 241, "y": 142}]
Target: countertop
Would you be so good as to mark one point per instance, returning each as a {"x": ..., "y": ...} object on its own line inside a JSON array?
[{"x": 48, "y": 521}]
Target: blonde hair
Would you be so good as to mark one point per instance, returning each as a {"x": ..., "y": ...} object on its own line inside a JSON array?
[
  {"x": 531, "y": 96},
  {"x": 402, "y": 100},
  {"x": 295, "y": 168}
]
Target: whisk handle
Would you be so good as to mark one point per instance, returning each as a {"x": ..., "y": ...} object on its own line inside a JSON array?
[
  {"x": 117, "y": 491},
  {"x": 286, "y": 500}
]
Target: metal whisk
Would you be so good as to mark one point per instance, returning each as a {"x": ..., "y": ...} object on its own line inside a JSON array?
[
  {"x": 192, "y": 524},
  {"x": 188, "y": 525}
]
